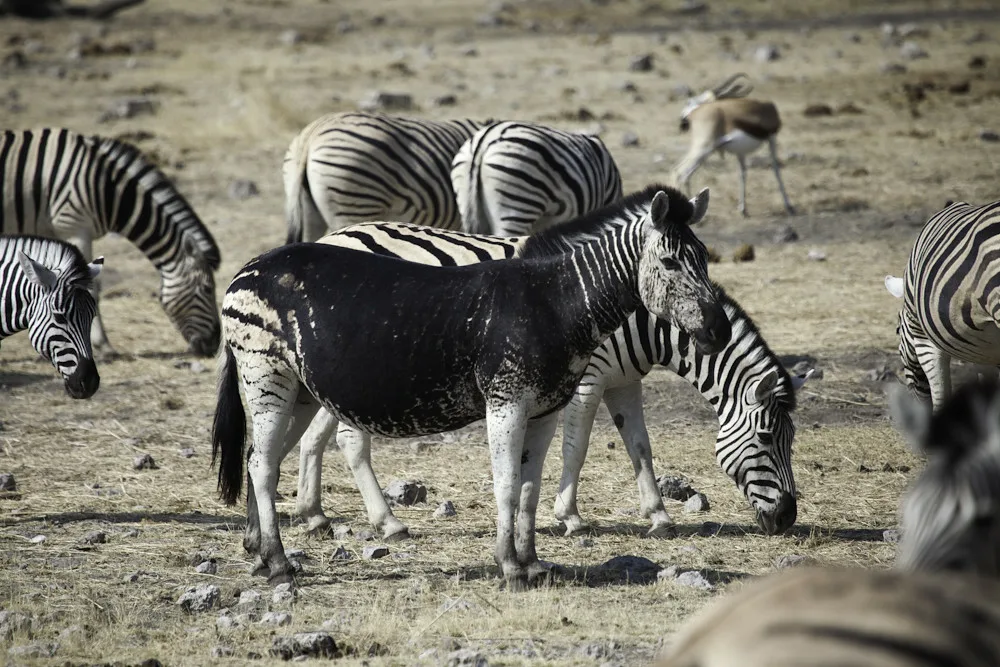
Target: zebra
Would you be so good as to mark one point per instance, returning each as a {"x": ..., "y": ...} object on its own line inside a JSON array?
[
  {"x": 60, "y": 184},
  {"x": 941, "y": 603},
  {"x": 745, "y": 382},
  {"x": 44, "y": 288},
  {"x": 512, "y": 178},
  {"x": 505, "y": 340},
  {"x": 951, "y": 299},
  {"x": 345, "y": 168}
]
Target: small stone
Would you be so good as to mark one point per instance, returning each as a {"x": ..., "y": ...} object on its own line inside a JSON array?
[
  {"x": 200, "y": 598},
  {"x": 849, "y": 108},
  {"x": 815, "y": 110},
  {"x": 309, "y": 644},
  {"x": 692, "y": 7},
  {"x": 383, "y": 101},
  {"x": 249, "y": 598},
  {"x": 373, "y": 552},
  {"x": 223, "y": 652},
  {"x": 709, "y": 529},
  {"x": 128, "y": 108},
  {"x": 37, "y": 539},
  {"x": 908, "y": 30},
  {"x": 198, "y": 367},
  {"x": 283, "y": 593},
  {"x": 291, "y": 37},
  {"x": 95, "y": 537},
  {"x": 785, "y": 235},
  {"x": 816, "y": 255},
  {"x": 853, "y": 37},
  {"x": 445, "y": 100},
  {"x": 466, "y": 657},
  {"x": 277, "y": 618},
  {"x": 643, "y": 63},
  {"x": 793, "y": 560},
  {"x": 342, "y": 532},
  {"x": 766, "y": 53},
  {"x": 879, "y": 374},
  {"x": 585, "y": 542},
  {"x": 296, "y": 553},
  {"x": 7, "y": 482},
  {"x": 14, "y": 622},
  {"x": 405, "y": 492},
  {"x": 745, "y": 253},
  {"x": 696, "y": 503},
  {"x": 207, "y": 567},
  {"x": 989, "y": 136},
  {"x": 891, "y": 536},
  {"x": 628, "y": 87},
  {"x": 912, "y": 51},
  {"x": 469, "y": 52},
  {"x": 630, "y": 138},
  {"x": 445, "y": 510},
  {"x": 131, "y": 532},
  {"x": 892, "y": 68},
  {"x": 694, "y": 579},
  {"x": 365, "y": 536},
  {"x": 341, "y": 554},
  {"x": 977, "y": 62},
  {"x": 243, "y": 189},
  {"x": 226, "y": 622},
  {"x": 144, "y": 462},
  {"x": 681, "y": 91},
  {"x": 187, "y": 452},
  {"x": 675, "y": 487}
]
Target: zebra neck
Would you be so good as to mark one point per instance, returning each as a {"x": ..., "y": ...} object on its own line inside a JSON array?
[{"x": 606, "y": 276}]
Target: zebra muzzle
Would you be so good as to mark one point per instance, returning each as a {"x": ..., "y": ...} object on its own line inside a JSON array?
[
  {"x": 716, "y": 330},
  {"x": 84, "y": 381},
  {"x": 781, "y": 518}
]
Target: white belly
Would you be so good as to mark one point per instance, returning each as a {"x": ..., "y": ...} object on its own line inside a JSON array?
[{"x": 739, "y": 142}]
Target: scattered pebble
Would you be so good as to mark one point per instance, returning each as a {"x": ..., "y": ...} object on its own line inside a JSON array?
[
  {"x": 469, "y": 52},
  {"x": 187, "y": 452},
  {"x": 891, "y": 536},
  {"x": 815, "y": 110},
  {"x": 793, "y": 560},
  {"x": 892, "y": 68},
  {"x": 853, "y": 37},
  {"x": 95, "y": 537},
  {"x": 277, "y": 618},
  {"x": 242, "y": 189},
  {"x": 364, "y": 536},
  {"x": 73, "y": 633},
  {"x": 850, "y": 108},
  {"x": 342, "y": 532},
  {"x": 144, "y": 462},
  {"x": 989, "y": 136},
  {"x": 36, "y": 650},
  {"x": 373, "y": 552},
  {"x": 585, "y": 542},
  {"x": 445, "y": 510},
  {"x": 310, "y": 644},
  {"x": 291, "y": 37},
  {"x": 696, "y": 503},
  {"x": 879, "y": 374},
  {"x": 7, "y": 482},
  {"x": 675, "y": 487},
  {"x": 283, "y": 593},
  {"x": 745, "y": 253},
  {"x": 630, "y": 138},
  {"x": 912, "y": 51},
  {"x": 643, "y": 63},
  {"x": 249, "y": 598},
  {"x": 37, "y": 539},
  {"x": 785, "y": 235},
  {"x": 382, "y": 101},
  {"x": 223, "y": 652},
  {"x": 977, "y": 62},
  {"x": 199, "y": 598},
  {"x": 709, "y": 529},
  {"x": 694, "y": 579},
  {"x": 198, "y": 367},
  {"x": 341, "y": 554},
  {"x": 766, "y": 53},
  {"x": 207, "y": 567},
  {"x": 816, "y": 255},
  {"x": 692, "y": 7},
  {"x": 226, "y": 621},
  {"x": 445, "y": 100},
  {"x": 466, "y": 657},
  {"x": 128, "y": 108},
  {"x": 405, "y": 492}
]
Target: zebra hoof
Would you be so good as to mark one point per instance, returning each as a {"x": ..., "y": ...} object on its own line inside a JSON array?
[
  {"x": 398, "y": 536},
  {"x": 283, "y": 578},
  {"x": 260, "y": 568},
  {"x": 662, "y": 531}
]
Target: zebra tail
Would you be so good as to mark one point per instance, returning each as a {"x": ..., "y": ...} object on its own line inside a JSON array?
[
  {"x": 475, "y": 217},
  {"x": 298, "y": 196},
  {"x": 229, "y": 431}
]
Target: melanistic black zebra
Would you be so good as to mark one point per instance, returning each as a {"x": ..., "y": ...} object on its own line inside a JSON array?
[
  {"x": 951, "y": 298},
  {"x": 60, "y": 184},
  {"x": 512, "y": 178},
  {"x": 345, "y": 168},
  {"x": 44, "y": 289}
]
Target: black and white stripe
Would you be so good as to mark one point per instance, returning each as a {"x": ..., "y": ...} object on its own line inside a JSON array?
[
  {"x": 59, "y": 184},
  {"x": 44, "y": 287},
  {"x": 951, "y": 297},
  {"x": 347, "y": 168},
  {"x": 513, "y": 178}
]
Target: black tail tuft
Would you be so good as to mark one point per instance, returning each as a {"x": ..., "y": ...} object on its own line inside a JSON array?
[{"x": 229, "y": 431}]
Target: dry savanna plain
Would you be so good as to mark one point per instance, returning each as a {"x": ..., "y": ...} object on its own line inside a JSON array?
[{"x": 877, "y": 136}]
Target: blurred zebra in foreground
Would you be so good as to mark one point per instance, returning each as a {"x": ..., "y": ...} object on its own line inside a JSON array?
[
  {"x": 937, "y": 608},
  {"x": 59, "y": 184},
  {"x": 951, "y": 298},
  {"x": 44, "y": 289}
]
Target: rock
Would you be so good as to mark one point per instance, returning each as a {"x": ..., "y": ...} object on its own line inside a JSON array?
[
  {"x": 277, "y": 618},
  {"x": 226, "y": 622},
  {"x": 290, "y": 37},
  {"x": 132, "y": 532},
  {"x": 628, "y": 87},
  {"x": 745, "y": 253},
  {"x": 815, "y": 110},
  {"x": 223, "y": 652},
  {"x": 785, "y": 235},
  {"x": 198, "y": 367},
  {"x": 766, "y": 53},
  {"x": 912, "y": 51},
  {"x": 696, "y": 503},
  {"x": 466, "y": 657},
  {"x": 989, "y": 136},
  {"x": 585, "y": 542},
  {"x": 243, "y": 189},
  {"x": 95, "y": 537},
  {"x": 341, "y": 554},
  {"x": 296, "y": 553},
  {"x": 445, "y": 510},
  {"x": 674, "y": 487},
  {"x": 36, "y": 650},
  {"x": 249, "y": 598},
  {"x": 643, "y": 63},
  {"x": 816, "y": 255},
  {"x": 365, "y": 536},
  {"x": 383, "y": 101},
  {"x": 199, "y": 598},
  {"x": 630, "y": 138},
  {"x": 37, "y": 539},
  {"x": 187, "y": 452},
  {"x": 888, "y": 467},
  {"x": 891, "y": 536},
  {"x": 793, "y": 560},
  {"x": 469, "y": 52},
  {"x": 849, "y": 108},
  {"x": 977, "y": 62},
  {"x": 342, "y": 532},
  {"x": 634, "y": 568},
  {"x": 594, "y": 651},
  {"x": 283, "y": 593},
  {"x": 694, "y": 579},
  {"x": 373, "y": 552},
  {"x": 144, "y": 462},
  {"x": 14, "y": 622},
  {"x": 309, "y": 644},
  {"x": 853, "y": 37},
  {"x": 908, "y": 30},
  {"x": 7, "y": 482},
  {"x": 892, "y": 68},
  {"x": 405, "y": 492},
  {"x": 445, "y": 101},
  {"x": 960, "y": 87},
  {"x": 128, "y": 108},
  {"x": 207, "y": 567},
  {"x": 709, "y": 529}
]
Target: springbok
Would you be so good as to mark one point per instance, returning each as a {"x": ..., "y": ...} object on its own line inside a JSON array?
[{"x": 724, "y": 119}]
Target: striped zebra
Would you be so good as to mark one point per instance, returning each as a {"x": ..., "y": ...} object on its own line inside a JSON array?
[
  {"x": 512, "y": 178},
  {"x": 346, "y": 168},
  {"x": 951, "y": 298},
  {"x": 941, "y": 605},
  {"x": 746, "y": 384},
  {"x": 44, "y": 288},
  {"x": 59, "y": 184}
]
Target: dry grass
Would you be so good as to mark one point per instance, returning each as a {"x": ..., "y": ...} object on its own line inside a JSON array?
[{"x": 231, "y": 97}]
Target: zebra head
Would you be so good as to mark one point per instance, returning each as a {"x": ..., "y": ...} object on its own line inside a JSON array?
[
  {"x": 187, "y": 294},
  {"x": 673, "y": 272},
  {"x": 951, "y": 514},
  {"x": 60, "y": 313},
  {"x": 913, "y": 372}
]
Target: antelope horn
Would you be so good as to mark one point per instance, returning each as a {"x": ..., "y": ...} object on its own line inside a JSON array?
[{"x": 732, "y": 87}]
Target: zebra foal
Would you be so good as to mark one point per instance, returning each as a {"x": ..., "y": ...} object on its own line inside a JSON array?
[
  {"x": 512, "y": 178},
  {"x": 941, "y": 606},
  {"x": 951, "y": 298},
  {"x": 431, "y": 349},
  {"x": 60, "y": 184},
  {"x": 345, "y": 168},
  {"x": 44, "y": 289}
]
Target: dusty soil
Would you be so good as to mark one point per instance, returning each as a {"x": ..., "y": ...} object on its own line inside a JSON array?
[{"x": 230, "y": 91}]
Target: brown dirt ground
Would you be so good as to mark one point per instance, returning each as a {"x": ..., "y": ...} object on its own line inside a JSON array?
[{"x": 230, "y": 95}]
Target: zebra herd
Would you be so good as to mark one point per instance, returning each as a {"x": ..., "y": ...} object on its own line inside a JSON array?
[{"x": 514, "y": 281}]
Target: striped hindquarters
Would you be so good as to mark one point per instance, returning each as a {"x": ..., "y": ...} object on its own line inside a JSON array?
[{"x": 426, "y": 245}]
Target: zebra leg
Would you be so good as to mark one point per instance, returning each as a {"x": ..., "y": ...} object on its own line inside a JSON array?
[
  {"x": 506, "y": 423},
  {"x": 308, "y": 502},
  {"x": 743, "y": 184},
  {"x": 537, "y": 437},
  {"x": 777, "y": 174},
  {"x": 577, "y": 425},
  {"x": 936, "y": 365},
  {"x": 357, "y": 448},
  {"x": 625, "y": 405}
]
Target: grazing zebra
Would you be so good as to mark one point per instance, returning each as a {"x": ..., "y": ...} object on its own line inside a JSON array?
[
  {"x": 403, "y": 349},
  {"x": 513, "y": 178},
  {"x": 951, "y": 298},
  {"x": 44, "y": 288},
  {"x": 942, "y": 604},
  {"x": 345, "y": 168},
  {"x": 60, "y": 184},
  {"x": 747, "y": 385}
]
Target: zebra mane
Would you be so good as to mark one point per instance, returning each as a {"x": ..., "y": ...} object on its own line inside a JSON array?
[
  {"x": 745, "y": 329},
  {"x": 594, "y": 225},
  {"x": 181, "y": 213},
  {"x": 57, "y": 255}
]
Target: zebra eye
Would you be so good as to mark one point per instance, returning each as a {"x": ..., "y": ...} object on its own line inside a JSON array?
[
  {"x": 765, "y": 438},
  {"x": 670, "y": 264},
  {"x": 59, "y": 318}
]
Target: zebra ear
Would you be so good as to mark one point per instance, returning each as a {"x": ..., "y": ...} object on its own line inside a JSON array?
[
  {"x": 758, "y": 391},
  {"x": 658, "y": 209},
  {"x": 94, "y": 268},
  {"x": 895, "y": 286},
  {"x": 700, "y": 203},
  {"x": 911, "y": 416},
  {"x": 41, "y": 275}
]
